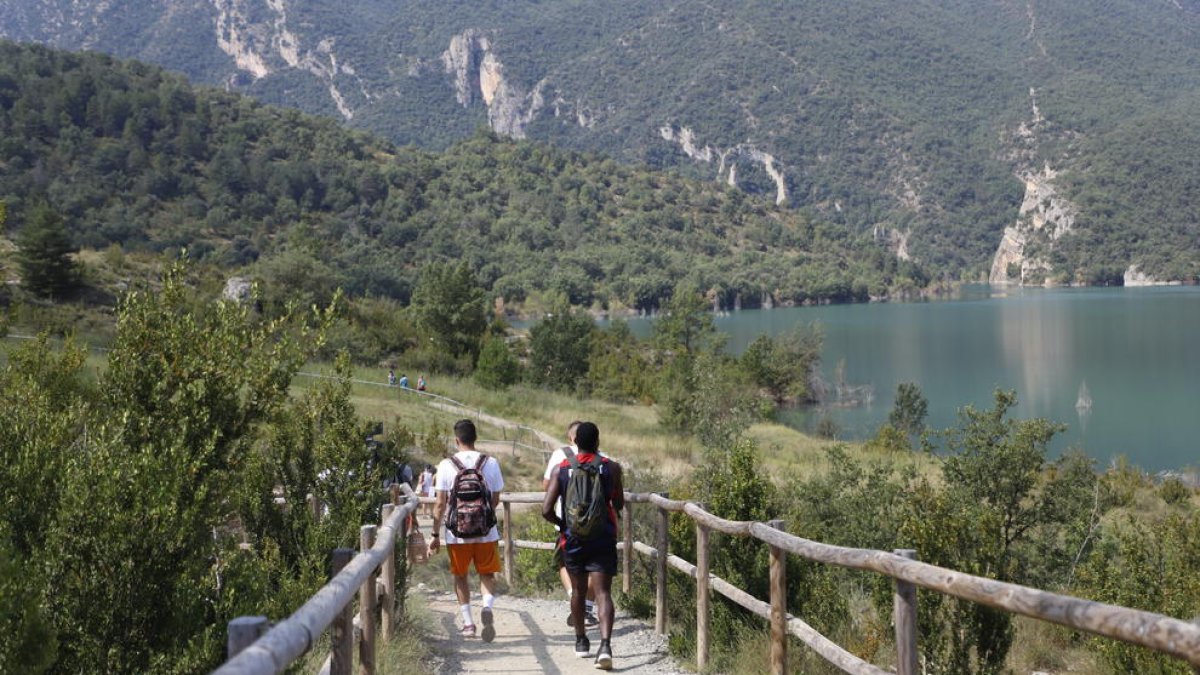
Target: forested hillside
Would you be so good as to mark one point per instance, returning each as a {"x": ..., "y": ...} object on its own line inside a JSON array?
[
  {"x": 932, "y": 127},
  {"x": 131, "y": 155}
]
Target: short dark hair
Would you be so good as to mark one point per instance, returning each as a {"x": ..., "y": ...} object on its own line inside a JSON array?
[
  {"x": 587, "y": 437},
  {"x": 464, "y": 431}
]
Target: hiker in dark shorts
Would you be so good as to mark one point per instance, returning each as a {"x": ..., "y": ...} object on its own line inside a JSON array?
[{"x": 589, "y": 555}]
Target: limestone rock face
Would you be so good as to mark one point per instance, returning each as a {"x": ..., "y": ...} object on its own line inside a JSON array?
[
  {"x": 1044, "y": 215},
  {"x": 478, "y": 76},
  {"x": 1135, "y": 277},
  {"x": 727, "y": 159}
]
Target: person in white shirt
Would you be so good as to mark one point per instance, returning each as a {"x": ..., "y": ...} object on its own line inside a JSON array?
[
  {"x": 556, "y": 459},
  {"x": 483, "y": 551}
]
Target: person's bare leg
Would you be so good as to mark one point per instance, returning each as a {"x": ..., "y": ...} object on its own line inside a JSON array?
[
  {"x": 566, "y": 580},
  {"x": 605, "y": 611},
  {"x": 462, "y": 590},
  {"x": 579, "y": 583},
  {"x": 487, "y": 586}
]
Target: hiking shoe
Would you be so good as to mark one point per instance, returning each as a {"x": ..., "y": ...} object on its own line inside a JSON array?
[
  {"x": 489, "y": 630},
  {"x": 604, "y": 657},
  {"x": 468, "y": 631},
  {"x": 582, "y": 646}
]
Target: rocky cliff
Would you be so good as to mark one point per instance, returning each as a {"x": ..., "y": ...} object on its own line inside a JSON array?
[{"x": 887, "y": 120}]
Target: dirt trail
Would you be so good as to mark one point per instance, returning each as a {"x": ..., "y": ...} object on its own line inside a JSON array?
[{"x": 532, "y": 636}]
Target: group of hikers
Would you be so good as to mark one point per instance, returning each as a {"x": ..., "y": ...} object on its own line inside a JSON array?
[
  {"x": 403, "y": 381},
  {"x": 584, "y": 494}
]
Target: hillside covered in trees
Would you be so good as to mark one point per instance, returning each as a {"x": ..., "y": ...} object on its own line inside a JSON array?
[
  {"x": 928, "y": 125},
  {"x": 131, "y": 156}
]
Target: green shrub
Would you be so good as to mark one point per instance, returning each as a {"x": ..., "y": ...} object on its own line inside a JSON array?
[
  {"x": 497, "y": 367},
  {"x": 1174, "y": 492}
]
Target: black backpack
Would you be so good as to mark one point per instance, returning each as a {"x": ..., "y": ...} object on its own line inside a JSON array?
[
  {"x": 585, "y": 503},
  {"x": 471, "y": 513}
]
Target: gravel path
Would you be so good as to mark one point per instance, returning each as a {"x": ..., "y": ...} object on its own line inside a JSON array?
[{"x": 532, "y": 636}]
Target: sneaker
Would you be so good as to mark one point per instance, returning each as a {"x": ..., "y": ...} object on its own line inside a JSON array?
[
  {"x": 582, "y": 646},
  {"x": 468, "y": 631},
  {"x": 489, "y": 629},
  {"x": 589, "y": 619},
  {"x": 604, "y": 657}
]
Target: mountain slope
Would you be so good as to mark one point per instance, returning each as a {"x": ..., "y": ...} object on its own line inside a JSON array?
[
  {"x": 929, "y": 125},
  {"x": 132, "y": 155}
]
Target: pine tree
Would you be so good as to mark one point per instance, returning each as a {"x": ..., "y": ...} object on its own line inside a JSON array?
[{"x": 45, "y": 254}]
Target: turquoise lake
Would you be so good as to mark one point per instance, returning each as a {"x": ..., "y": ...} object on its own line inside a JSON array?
[{"x": 1134, "y": 350}]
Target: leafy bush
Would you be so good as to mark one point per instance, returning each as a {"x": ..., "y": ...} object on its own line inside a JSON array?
[{"x": 497, "y": 367}]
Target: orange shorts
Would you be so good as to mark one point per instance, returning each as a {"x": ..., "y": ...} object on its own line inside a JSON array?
[{"x": 485, "y": 556}]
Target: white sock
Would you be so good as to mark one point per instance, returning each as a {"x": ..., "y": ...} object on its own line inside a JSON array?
[
  {"x": 591, "y": 606},
  {"x": 488, "y": 600},
  {"x": 570, "y": 594},
  {"x": 466, "y": 612}
]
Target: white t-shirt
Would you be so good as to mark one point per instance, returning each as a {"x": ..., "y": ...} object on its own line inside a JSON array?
[
  {"x": 444, "y": 482},
  {"x": 556, "y": 459}
]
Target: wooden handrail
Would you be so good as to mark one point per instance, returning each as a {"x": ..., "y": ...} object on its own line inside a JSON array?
[
  {"x": 291, "y": 638},
  {"x": 1165, "y": 634}
]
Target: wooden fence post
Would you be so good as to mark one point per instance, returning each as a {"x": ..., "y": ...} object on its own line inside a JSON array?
[
  {"x": 366, "y": 608},
  {"x": 395, "y": 491},
  {"x": 702, "y": 596},
  {"x": 341, "y": 631},
  {"x": 388, "y": 571},
  {"x": 904, "y": 614},
  {"x": 318, "y": 509},
  {"x": 627, "y": 555},
  {"x": 367, "y": 602},
  {"x": 779, "y": 632},
  {"x": 508, "y": 543},
  {"x": 660, "y": 564},
  {"x": 242, "y": 632}
]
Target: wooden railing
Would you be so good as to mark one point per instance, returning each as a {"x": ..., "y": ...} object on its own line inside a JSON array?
[
  {"x": 257, "y": 648},
  {"x": 1177, "y": 638}
]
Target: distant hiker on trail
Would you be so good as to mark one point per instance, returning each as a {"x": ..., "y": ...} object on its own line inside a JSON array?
[
  {"x": 589, "y": 492},
  {"x": 468, "y": 485},
  {"x": 404, "y": 382},
  {"x": 391, "y": 377},
  {"x": 421, "y": 383},
  {"x": 556, "y": 459},
  {"x": 425, "y": 487}
]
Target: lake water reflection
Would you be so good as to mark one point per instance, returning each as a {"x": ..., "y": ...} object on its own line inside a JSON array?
[{"x": 1133, "y": 350}]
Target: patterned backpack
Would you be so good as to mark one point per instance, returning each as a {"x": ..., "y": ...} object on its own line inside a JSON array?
[{"x": 471, "y": 513}]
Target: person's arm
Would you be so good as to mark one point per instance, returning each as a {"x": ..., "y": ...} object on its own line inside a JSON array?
[
  {"x": 548, "y": 504},
  {"x": 618, "y": 497},
  {"x": 439, "y": 510}
]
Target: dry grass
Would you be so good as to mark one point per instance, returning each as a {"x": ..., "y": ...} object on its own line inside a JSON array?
[{"x": 629, "y": 432}]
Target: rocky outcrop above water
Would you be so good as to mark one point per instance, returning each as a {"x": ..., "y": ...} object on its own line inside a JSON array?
[{"x": 1045, "y": 216}]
